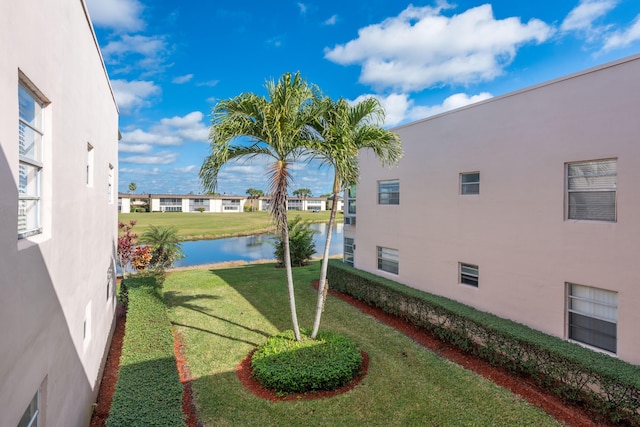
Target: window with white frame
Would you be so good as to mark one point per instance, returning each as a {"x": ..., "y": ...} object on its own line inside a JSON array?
[
  {"x": 349, "y": 246},
  {"x": 388, "y": 260},
  {"x": 110, "y": 184},
  {"x": 468, "y": 274},
  {"x": 30, "y": 416},
  {"x": 89, "y": 177},
  {"x": 389, "y": 192},
  {"x": 591, "y": 190},
  {"x": 30, "y": 140},
  {"x": 470, "y": 183},
  {"x": 592, "y": 316}
]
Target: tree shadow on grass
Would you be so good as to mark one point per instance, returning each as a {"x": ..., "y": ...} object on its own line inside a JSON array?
[{"x": 175, "y": 299}]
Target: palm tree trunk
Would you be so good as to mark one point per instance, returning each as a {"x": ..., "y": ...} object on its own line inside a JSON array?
[
  {"x": 323, "y": 286},
  {"x": 287, "y": 265}
]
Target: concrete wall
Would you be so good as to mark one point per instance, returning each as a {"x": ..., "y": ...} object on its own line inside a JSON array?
[
  {"x": 57, "y": 305},
  {"x": 516, "y": 229}
]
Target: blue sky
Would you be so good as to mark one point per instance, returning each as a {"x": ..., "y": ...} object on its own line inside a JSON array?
[{"x": 170, "y": 62}]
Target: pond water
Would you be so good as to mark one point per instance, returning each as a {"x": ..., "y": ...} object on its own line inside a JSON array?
[{"x": 250, "y": 248}]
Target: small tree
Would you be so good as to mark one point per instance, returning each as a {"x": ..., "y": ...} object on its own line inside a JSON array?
[
  {"x": 132, "y": 187},
  {"x": 165, "y": 246},
  {"x": 254, "y": 194},
  {"x": 126, "y": 245},
  {"x": 302, "y": 192},
  {"x": 301, "y": 244}
]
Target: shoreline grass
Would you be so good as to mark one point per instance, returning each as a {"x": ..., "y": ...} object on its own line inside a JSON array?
[
  {"x": 222, "y": 314},
  {"x": 209, "y": 226}
]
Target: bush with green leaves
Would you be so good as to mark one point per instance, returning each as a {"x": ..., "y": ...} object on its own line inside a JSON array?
[
  {"x": 165, "y": 246},
  {"x": 577, "y": 374},
  {"x": 301, "y": 244},
  {"x": 289, "y": 366},
  {"x": 148, "y": 391}
]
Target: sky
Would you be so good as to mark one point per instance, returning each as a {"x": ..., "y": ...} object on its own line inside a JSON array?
[{"x": 170, "y": 62}]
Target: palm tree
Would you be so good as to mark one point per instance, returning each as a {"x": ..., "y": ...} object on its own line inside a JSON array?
[
  {"x": 345, "y": 129},
  {"x": 254, "y": 194},
  {"x": 276, "y": 127},
  {"x": 132, "y": 187},
  {"x": 165, "y": 245}
]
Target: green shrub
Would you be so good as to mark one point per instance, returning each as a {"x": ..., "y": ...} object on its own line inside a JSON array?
[
  {"x": 301, "y": 245},
  {"x": 148, "y": 391},
  {"x": 289, "y": 366},
  {"x": 607, "y": 384}
]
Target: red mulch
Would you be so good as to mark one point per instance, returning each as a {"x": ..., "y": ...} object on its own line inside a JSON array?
[{"x": 566, "y": 413}]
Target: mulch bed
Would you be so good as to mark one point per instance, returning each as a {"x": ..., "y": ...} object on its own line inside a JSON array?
[{"x": 566, "y": 413}]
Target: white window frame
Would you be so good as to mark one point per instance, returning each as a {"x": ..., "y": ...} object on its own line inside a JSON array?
[
  {"x": 388, "y": 260},
  {"x": 30, "y": 205},
  {"x": 469, "y": 186},
  {"x": 468, "y": 274},
  {"x": 389, "y": 192},
  {"x": 90, "y": 157},
  {"x": 589, "y": 185},
  {"x": 30, "y": 415},
  {"x": 590, "y": 306},
  {"x": 348, "y": 250}
]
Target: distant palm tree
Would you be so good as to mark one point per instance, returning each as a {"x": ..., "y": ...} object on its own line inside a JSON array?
[
  {"x": 276, "y": 127},
  {"x": 132, "y": 187},
  {"x": 165, "y": 246},
  {"x": 346, "y": 129}
]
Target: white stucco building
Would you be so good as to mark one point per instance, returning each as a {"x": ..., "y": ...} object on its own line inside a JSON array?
[
  {"x": 525, "y": 205},
  {"x": 58, "y": 174}
]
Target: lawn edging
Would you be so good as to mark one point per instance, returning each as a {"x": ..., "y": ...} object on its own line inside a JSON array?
[
  {"x": 607, "y": 384},
  {"x": 148, "y": 391}
]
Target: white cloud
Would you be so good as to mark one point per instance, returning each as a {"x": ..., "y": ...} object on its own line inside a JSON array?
[
  {"x": 116, "y": 14},
  {"x": 182, "y": 79},
  {"x": 160, "y": 158},
  {"x": 186, "y": 169},
  {"x": 152, "y": 171},
  {"x": 139, "y": 136},
  {"x": 399, "y": 108},
  {"x": 134, "y": 148},
  {"x": 421, "y": 47},
  {"x": 332, "y": 20},
  {"x": 210, "y": 83},
  {"x": 134, "y": 94},
  {"x": 303, "y": 8},
  {"x": 581, "y": 17},
  {"x": 147, "y": 53},
  {"x": 620, "y": 39},
  {"x": 171, "y": 131}
]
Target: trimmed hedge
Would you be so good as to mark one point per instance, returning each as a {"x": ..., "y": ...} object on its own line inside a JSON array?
[
  {"x": 148, "y": 391},
  {"x": 605, "y": 383},
  {"x": 289, "y": 366}
]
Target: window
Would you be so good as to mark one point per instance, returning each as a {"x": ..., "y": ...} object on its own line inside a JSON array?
[
  {"x": 470, "y": 183},
  {"x": 468, "y": 274},
  {"x": 388, "y": 260},
  {"x": 592, "y": 316},
  {"x": 349, "y": 246},
  {"x": 591, "y": 188},
  {"x": 89, "y": 177},
  {"x": 30, "y": 416},
  {"x": 30, "y": 136},
  {"x": 389, "y": 192},
  {"x": 110, "y": 185}
]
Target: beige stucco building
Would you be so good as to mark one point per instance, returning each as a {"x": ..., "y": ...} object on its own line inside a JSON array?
[
  {"x": 58, "y": 174},
  {"x": 525, "y": 205}
]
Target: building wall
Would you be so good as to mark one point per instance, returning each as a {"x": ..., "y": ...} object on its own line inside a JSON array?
[
  {"x": 57, "y": 306},
  {"x": 515, "y": 229}
]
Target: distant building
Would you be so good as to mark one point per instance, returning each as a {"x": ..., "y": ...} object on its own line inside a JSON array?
[
  {"x": 524, "y": 205},
  {"x": 58, "y": 174},
  {"x": 211, "y": 203}
]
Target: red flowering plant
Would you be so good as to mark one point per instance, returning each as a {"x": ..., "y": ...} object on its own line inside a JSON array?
[{"x": 126, "y": 244}]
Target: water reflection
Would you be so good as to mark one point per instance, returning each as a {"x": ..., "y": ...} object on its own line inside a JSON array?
[{"x": 250, "y": 248}]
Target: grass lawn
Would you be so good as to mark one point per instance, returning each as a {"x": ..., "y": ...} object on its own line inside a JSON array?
[
  {"x": 223, "y": 314},
  {"x": 195, "y": 226}
]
